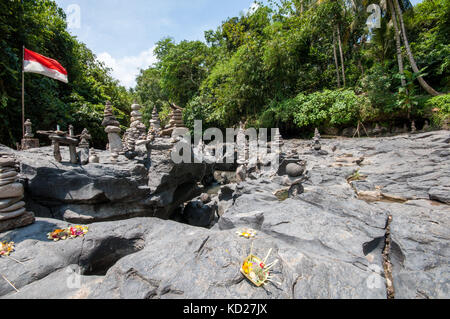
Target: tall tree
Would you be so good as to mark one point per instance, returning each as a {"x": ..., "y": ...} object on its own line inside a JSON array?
[
  {"x": 414, "y": 67},
  {"x": 398, "y": 44},
  {"x": 336, "y": 62},
  {"x": 341, "y": 53}
]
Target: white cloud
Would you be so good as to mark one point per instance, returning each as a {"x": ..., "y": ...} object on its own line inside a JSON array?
[
  {"x": 126, "y": 69},
  {"x": 252, "y": 9}
]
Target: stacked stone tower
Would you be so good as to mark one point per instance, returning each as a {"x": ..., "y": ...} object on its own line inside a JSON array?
[
  {"x": 136, "y": 122},
  {"x": 155, "y": 122},
  {"x": 242, "y": 150},
  {"x": 278, "y": 140},
  {"x": 13, "y": 213},
  {"x": 113, "y": 130},
  {"x": 176, "y": 118},
  {"x": 316, "y": 141},
  {"x": 28, "y": 140},
  {"x": 137, "y": 131}
]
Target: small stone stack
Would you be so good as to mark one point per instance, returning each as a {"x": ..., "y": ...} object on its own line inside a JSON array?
[
  {"x": 446, "y": 123},
  {"x": 113, "y": 130},
  {"x": 241, "y": 171},
  {"x": 85, "y": 137},
  {"x": 316, "y": 141},
  {"x": 151, "y": 135},
  {"x": 155, "y": 122},
  {"x": 13, "y": 213},
  {"x": 413, "y": 127},
  {"x": 93, "y": 157},
  {"x": 242, "y": 148},
  {"x": 83, "y": 154},
  {"x": 377, "y": 129},
  {"x": 137, "y": 131},
  {"x": 176, "y": 118},
  {"x": 278, "y": 140},
  {"x": 136, "y": 122},
  {"x": 28, "y": 141},
  {"x": 317, "y": 134}
]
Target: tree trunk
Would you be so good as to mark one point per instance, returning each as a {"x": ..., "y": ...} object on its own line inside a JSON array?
[
  {"x": 398, "y": 43},
  {"x": 336, "y": 62},
  {"x": 414, "y": 67},
  {"x": 342, "y": 55}
]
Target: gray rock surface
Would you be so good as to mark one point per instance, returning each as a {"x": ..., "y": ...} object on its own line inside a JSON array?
[
  {"x": 106, "y": 191},
  {"x": 329, "y": 241}
]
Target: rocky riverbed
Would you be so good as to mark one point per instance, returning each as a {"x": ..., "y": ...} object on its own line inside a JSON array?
[{"x": 372, "y": 222}]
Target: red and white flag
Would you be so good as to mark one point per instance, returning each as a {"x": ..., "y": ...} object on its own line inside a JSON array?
[{"x": 36, "y": 63}]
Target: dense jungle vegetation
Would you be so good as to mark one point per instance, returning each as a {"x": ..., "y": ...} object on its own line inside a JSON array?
[{"x": 293, "y": 64}]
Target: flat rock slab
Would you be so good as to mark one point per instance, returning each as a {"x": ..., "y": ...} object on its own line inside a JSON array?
[{"x": 329, "y": 242}]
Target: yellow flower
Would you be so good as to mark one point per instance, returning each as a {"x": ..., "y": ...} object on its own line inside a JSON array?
[
  {"x": 247, "y": 233},
  {"x": 6, "y": 248},
  {"x": 247, "y": 267}
]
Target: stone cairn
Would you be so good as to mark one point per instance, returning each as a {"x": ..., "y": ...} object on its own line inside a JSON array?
[
  {"x": 316, "y": 141},
  {"x": 155, "y": 123},
  {"x": 13, "y": 213},
  {"x": 28, "y": 141},
  {"x": 278, "y": 140},
  {"x": 176, "y": 125},
  {"x": 112, "y": 128},
  {"x": 176, "y": 119},
  {"x": 137, "y": 131},
  {"x": 85, "y": 138},
  {"x": 241, "y": 171},
  {"x": 413, "y": 127},
  {"x": 93, "y": 157},
  {"x": 83, "y": 154},
  {"x": 377, "y": 129}
]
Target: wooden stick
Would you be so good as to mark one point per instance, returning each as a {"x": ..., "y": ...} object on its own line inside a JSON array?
[
  {"x": 271, "y": 265},
  {"x": 17, "y": 290},
  {"x": 268, "y": 254},
  {"x": 16, "y": 260}
]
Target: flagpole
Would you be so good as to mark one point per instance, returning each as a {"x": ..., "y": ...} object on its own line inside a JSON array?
[{"x": 23, "y": 92}]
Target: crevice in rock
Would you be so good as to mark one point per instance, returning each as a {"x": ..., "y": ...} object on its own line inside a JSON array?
[
  {"x": 387, "y": 265},
  {"x": 300, "y": 277},
  {"x": 107, "y": 253},
  {"x": 199, "y": 251}
]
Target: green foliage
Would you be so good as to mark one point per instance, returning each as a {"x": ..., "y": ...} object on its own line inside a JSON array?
[
  {"x": 183, "y": 67},
  {"x": 335, "y": 108},
  {"x": 40, "y": 26},
  {"x": 439, "y": 107},
  {"x": 377, "y": 84},
  {"x": 274, "y": 67},
  {"x": 150, "y": 93}
]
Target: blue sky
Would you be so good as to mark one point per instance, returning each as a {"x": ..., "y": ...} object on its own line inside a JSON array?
[{"x": 122, "y": 33}]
